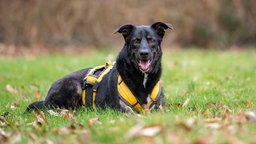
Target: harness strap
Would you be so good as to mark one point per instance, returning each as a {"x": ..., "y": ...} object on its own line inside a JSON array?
[
  {"x": 90, "y": 83},
  {"x": 127, "y": 96}
]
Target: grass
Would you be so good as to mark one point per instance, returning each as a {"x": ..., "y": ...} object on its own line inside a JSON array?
[{"x": 209, "y": 96}]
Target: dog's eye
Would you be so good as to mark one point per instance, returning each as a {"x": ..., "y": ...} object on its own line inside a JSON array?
[
  {"x": 137, "y": 40},
  {"x": 151, "y": 40}
]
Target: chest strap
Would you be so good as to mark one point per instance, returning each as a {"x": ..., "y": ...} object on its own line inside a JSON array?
[
  {"x": 90, "y": 83},
  {"x": 128, "y": 98}
]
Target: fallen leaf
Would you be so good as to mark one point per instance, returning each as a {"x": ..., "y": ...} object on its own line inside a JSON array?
[
  {"x": 190, "y": 122},
  {"x": 249, "y": 103},
  {"x": 175, "y": 138},
  {"x": 250, "y": 116},
  {"x": 204, "y": 140},
  {"x": 213, "y": 125},
  {"x": 14, "y": 106},
  {"x": 51, "y": 112},
  {"x": 32, "y": 137},
  {"x": 134, "y": 131},
  {"x": 210, "y": 104},
  {"x": 213, "y": 120},
  {"x": 148, "y": 140},
  {"x": 67, "y": 114},
  {"x": 11, "y": 89},
  {"x": 184, "y": 126},
  {"x": 85, "y": 137},
  {"x": 140, "y": 130},
  {"x": 94, "y": 121},
  {"x": 63, "y": 130},
  {"x": 12, "y": 137},
  {"x": 150, "y": 130},
  {"x": 233, "y": 139},
  {"x": 186, "y": 102},
  {"x": 39, "y": 118},
  {"x": 81, "y": 125},
  {"x": 37, "y": 95},
  {"x": 240, "y": 118},
  {"x": 3, "y": 122}
]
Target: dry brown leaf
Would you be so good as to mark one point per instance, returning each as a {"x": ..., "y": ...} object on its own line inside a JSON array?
[
  {"x": 3, "y": 135},
  {"x": 250, "y": 116},
  {"x": 204, "y": 140},
  {"x": 134, "y": 131},
  {"x": 72, "y": 127},
  {"x": 81, "y": 125},
  {"x": 233, "y": 139},
  {"x": 3, "y": 121},
  {"x": 32, "y": 137},
  {"x": 63, "y": 130},
  {"x": 148, "y": 140},
  {"x": 211, "y": 104},
  {"x": 249, "y": 103},
  {"x": 150, "y": 131},
  {"x": 213, "y": 125},
  {"x": 37, "y": 95},
  {"x": 240, "y": 118},
  {"x": 11, "y": 89},
  {"x": 67, "y": 114},
  {"x": 213, "y": 120},
  {"x": 94, "y": 121},
  {"x": 184, "y": 127},
  {"x": 39, "y": 118},
  {"x": 85, "y": 137},
  {"x": 12, "y": 137},
  {"x": 175, "y": 138},
  {"x": 140, "y": 130}
]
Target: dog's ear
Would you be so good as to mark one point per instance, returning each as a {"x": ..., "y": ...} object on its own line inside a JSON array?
[
  {"x": 160, "y": 27},
  {"x": 125, "y": 30}
]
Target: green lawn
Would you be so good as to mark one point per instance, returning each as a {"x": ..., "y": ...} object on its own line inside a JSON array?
[{"x": 210, "y": 98}]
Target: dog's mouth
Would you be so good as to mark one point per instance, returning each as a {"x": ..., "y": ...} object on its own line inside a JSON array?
[{"x": 144, "y": 65}]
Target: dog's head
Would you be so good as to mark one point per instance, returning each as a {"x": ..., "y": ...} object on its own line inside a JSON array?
[{"x": 143, "y": 44}]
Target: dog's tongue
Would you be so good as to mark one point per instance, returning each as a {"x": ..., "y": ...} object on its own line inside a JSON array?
[{"x": 144, "y": 64}]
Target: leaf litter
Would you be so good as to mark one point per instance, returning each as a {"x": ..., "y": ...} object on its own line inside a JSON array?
[{"x": 228, "y": 122}]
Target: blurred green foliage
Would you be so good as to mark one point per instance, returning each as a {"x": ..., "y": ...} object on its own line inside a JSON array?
[{"x": 204, "y": 23}]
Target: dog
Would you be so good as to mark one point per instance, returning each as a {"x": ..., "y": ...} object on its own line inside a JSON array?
[{"x": 129, "y": 84}]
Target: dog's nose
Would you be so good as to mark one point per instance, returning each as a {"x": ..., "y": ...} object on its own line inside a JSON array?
[{"x": 144, "y": 53}]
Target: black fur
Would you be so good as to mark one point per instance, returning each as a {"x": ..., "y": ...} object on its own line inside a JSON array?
[{"x": 140, "y": 56}]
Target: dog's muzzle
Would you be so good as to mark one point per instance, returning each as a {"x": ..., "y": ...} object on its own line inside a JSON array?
[{"x": 144, "y": 61}]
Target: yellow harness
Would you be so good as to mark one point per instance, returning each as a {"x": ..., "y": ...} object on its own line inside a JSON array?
[
  {"x": 96, "y": 74},
  {"x": 127, "y": 96}
]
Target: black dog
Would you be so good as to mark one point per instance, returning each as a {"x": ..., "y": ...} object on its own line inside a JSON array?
[{"x": 130, "y": 84}]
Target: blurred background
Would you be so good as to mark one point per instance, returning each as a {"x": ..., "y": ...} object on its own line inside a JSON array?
[{"x": 220, "y": 24}]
